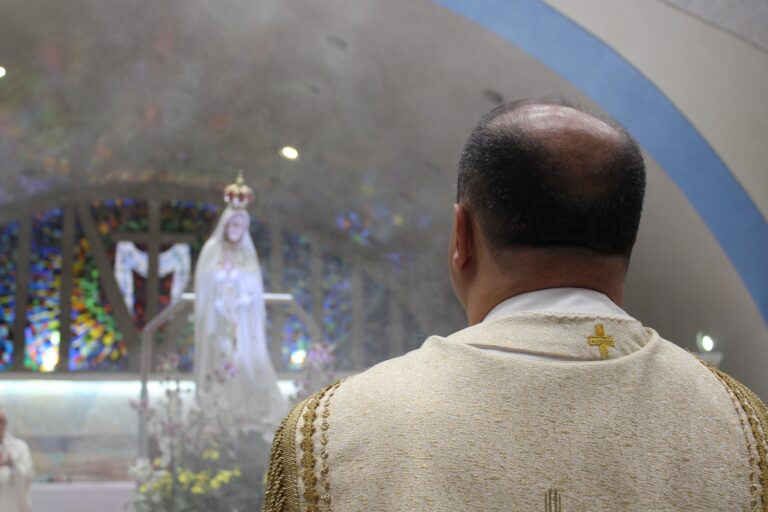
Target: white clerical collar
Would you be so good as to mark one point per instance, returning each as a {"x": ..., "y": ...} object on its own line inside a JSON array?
[
  {"x": 552, "y": 300},
  {"x": 557, "y": 300}
]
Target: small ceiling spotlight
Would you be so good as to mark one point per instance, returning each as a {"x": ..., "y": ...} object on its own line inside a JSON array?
[
  {"x": 707, "y": 353},
  {"x": 2, "y": 71},
  {"x": 705, "y": 342},
  {"x": 289, "y": 153}
]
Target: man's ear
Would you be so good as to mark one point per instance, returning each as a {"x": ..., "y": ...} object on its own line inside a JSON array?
[{"x": 463, "y": 248}]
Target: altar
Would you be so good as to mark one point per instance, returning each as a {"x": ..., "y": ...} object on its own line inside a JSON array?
[
  {"x": 83, "y": 427},
  {"x": 81, "y": 496}
]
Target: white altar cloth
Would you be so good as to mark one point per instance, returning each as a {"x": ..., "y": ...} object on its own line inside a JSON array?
[{"x": 82, "y": 497}]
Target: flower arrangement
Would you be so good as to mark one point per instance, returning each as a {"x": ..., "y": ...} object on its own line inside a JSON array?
[{"x": 202, "y": 460}]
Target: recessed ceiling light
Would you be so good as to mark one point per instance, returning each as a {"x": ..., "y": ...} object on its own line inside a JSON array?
[
  {"x": 289, "y": 153},
  {"x": 705, "y": 342},
  {"x": 2, "y": 71}
]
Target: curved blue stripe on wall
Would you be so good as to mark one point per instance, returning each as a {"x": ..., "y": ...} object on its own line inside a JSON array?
[{"x": 650, "y": 117}]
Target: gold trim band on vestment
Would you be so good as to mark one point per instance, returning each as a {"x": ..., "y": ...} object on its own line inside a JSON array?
[
  {"x": 311, "y": 497},
  {"x": 757, "y": 416},
  {"x": 282, "y": 488}
]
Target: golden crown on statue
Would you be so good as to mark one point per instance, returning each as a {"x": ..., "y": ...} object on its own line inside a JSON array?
[{"x": 238, "y": 194}]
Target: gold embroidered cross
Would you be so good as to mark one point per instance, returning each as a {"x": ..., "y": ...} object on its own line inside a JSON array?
[
  {"x": 552, "y": 501},
  {"x": 601, "y": 341}
]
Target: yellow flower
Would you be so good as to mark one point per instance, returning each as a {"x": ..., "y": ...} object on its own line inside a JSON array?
[
  {"x": 156, "y": 462},
  {"x": 197, "y": 489},
  {"x": 143, "y": 489},
  {"x": 185, "y": 477},
  {"x": 215, "y": 484},
  {"x": 223, "y": 477},
  {"x": 237, "y": 472},
  {"x": 163, "y": 485},
  {"x": 211, "y": 455}
]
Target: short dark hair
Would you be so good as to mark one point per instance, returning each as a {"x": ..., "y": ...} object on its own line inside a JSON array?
[{"x": 524, "y": 194}]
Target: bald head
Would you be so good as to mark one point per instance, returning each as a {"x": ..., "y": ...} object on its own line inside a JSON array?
[{"x": 544, "y": 174}]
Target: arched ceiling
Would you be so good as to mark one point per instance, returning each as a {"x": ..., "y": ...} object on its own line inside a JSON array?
[
  {"x": 747, "y": 21},
  {"x": 377, "y": 96}
]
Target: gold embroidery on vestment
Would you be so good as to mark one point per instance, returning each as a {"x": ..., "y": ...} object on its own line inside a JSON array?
[
  {"x": 324, "y": 469},
  {"x": 601, "y": 341},
  {"x": 311, "y": 496},
  {"x": 282, "y": 489},
  {"x": 757, "y": 416},
  {"x": 308, "y": 456},
  {"x": 553, "y": 502}
]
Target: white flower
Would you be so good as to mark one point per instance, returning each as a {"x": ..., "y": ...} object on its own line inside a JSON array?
[{"x": 141, "y": 470}]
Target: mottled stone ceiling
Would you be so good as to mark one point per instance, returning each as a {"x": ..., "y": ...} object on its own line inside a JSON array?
[{"x": 190, "y": 91}]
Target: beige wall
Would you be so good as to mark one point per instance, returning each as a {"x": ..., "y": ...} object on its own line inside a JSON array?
[{"x": 716, "y": 80}]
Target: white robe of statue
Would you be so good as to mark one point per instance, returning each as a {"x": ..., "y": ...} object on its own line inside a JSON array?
[
  {"x": 16, "y": 473},
  {"x": 230, "y": 323}
]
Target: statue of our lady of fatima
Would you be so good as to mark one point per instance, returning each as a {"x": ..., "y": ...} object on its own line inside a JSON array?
[{"x": 230, "y": 318}]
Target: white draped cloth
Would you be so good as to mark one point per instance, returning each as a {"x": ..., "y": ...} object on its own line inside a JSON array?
[
  {"x": 176, "y": 261},
  {"x": 230, "y": 328},
  {"x": 15, "y": 480}
]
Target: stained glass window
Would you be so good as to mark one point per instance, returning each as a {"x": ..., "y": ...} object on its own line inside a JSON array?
[
  {"x": 337, "y": 306},
  {"x": 119, "y": 216},
  {"x": 42, "y": 334},
  {"x": 8, "y": 250},
  {"x": 296, "y": 278},
  {"x": 95, "y": 341},
  {"x": 376, "y": 307},
  {"x": 189, "y": 217},
  {"x": 96, "y": 344}
]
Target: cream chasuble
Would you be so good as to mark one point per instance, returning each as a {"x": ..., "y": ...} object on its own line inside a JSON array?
[{"x": 622, "y": 421}]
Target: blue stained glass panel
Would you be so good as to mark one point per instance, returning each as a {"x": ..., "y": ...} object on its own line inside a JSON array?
[
  {"x": 42, "y": 334},
  {"x": 337, "y": 306},
  {"x": 296, "y": 268},
  {"x": 376, "y": 305},
  {"x": 296, "y": 278},
  {"x": 8, "y": 250}
]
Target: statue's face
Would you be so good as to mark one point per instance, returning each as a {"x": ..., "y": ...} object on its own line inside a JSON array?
[{"x": 236, "y": 228}]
